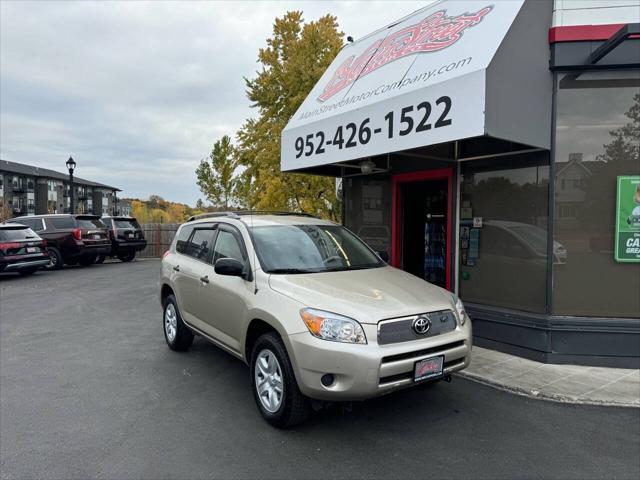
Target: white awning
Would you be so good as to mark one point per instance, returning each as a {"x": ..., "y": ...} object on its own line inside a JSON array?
[{"x": 456, "y": 69}]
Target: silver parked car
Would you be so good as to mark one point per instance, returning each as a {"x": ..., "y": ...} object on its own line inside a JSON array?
[{"x": 312, "y": 310}]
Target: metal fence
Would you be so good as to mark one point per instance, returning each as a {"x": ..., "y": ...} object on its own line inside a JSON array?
[{"x": 159, "y": 237}]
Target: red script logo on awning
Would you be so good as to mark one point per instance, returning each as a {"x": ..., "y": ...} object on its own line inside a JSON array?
[{"x": 435, "y": 32}]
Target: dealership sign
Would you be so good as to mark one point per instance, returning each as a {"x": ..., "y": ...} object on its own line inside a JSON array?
[
  {"x": 418, "y": 82},
  {"x": 627, "y": 247},
  {"x": 435, "y": 32}
]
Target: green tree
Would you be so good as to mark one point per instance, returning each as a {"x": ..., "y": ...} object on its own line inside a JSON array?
[
  {"x": 621, "y": 156},
  {"x": 216, "y": 174},
  {"x": 293, "y": 61}
]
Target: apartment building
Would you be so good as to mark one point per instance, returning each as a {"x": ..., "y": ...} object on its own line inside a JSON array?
[{"x": 29, "y": 190}]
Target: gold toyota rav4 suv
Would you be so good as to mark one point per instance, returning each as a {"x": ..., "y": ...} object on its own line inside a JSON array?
[{"x": 312, "y": 310}]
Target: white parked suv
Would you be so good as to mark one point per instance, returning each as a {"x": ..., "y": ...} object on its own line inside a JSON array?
[{"x": 312, "y": 310}]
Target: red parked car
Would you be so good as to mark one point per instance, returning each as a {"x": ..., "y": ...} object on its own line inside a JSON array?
[{"x": 21, "y": 249}]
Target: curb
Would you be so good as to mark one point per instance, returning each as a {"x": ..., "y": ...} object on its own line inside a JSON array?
[{"x": 539, "y": 395}]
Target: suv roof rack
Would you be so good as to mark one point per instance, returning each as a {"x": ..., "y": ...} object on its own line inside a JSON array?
[{"x": 239, "y": 213}]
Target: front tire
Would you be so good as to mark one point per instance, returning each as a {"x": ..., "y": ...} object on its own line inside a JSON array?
[
  {"x": 176, "y": 333},
  {"x": 274, "y": 385}
]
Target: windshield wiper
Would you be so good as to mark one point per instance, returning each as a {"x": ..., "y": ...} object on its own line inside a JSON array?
[
  {"x": 290, "y": 270},
  {"x": 355, "y": 267}
]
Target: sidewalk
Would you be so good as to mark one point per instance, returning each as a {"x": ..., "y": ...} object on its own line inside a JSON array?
[{"x": 562, "y": 383}]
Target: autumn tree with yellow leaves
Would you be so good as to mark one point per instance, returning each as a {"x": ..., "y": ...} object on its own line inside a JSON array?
[{"x": 296, "y": 56}]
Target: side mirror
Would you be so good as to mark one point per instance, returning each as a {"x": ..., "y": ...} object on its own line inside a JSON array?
[
  {"x": 231, "y": 268},
  {"x": 384, "y": 256}
]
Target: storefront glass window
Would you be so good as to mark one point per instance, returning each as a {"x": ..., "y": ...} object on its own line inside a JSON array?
[
  {"x": 597, "y": 140},
  {"x": 368, "y": 210},
  {"x": 503, "y": 232}
]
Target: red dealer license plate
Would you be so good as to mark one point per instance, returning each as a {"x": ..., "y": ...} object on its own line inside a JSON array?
[{"x": 428, "y": 368}]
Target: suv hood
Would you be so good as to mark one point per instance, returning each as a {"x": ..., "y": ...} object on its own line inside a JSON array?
[{"x": 367, "y": 295}]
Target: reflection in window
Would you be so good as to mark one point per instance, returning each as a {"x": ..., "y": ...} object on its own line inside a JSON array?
[
  {"x": 504, "y": 262},
  {"x": 227, "y": 246},
  {"x": 368, "y": 211},
  {"x": 597, "y": 140},
  {"x": 200, "y": 244}
]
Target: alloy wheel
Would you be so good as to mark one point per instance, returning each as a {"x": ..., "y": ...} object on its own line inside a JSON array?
[
  {"x": 170, "y": 322},
  {"x": 269, "y": 382}
]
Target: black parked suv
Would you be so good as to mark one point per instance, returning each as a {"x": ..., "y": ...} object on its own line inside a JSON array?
[
  {"x": 127, "y": 237},
  {"x": 71, "y": 239},
  {"x": 21, "y": 249}
]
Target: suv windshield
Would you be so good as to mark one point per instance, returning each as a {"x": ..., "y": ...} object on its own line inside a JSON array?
[
  {"x": 311, "y": 249},
  {"x": 12, "y": 234}
]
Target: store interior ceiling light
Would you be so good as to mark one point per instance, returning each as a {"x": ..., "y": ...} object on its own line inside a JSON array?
[{"x": 367, "y": 167}]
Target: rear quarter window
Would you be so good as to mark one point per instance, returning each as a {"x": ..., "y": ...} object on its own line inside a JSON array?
[
  {"x": 182, "y": 238},
  {"x": 63, "y": 222}
]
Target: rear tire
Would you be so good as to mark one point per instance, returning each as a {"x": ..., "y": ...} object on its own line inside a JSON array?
[
  {"x": 128, "y": 256},
  {"x": 290, "y": 407},
  {"x": 86, "y": 261},
  {"x": 178, "y": 336},
  {"x": 55, "y": 259}
]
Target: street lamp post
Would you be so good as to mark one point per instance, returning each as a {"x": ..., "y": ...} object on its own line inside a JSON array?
[{"x": 71, "y": 165}]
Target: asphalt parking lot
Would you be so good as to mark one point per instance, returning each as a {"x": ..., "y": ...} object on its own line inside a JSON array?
[{"x": 88, "y": 389}]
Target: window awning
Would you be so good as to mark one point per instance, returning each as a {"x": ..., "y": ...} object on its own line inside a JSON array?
[{"x": 453, "y": 70}]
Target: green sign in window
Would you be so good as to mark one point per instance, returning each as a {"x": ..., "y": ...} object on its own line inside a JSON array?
[{"x": 628, "y": 219}]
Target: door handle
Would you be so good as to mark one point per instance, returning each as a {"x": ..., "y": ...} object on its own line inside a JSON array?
[
  {"x": 205, "y": 279},
  {"x": 176, "y": 268}
]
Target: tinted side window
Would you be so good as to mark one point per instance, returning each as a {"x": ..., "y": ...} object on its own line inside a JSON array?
[
  {"x": 29, "y": 222},
  {"x": 63, "y": 222},
  {"x": 182, "y": 239},
  {"x": 38, "y": 225},
  {"x": 201, "y": 244},
  {"x": 228, "y": 246}
]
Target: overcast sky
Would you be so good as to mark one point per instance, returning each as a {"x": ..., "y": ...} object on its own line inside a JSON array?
[{"x": 138, "y": 91}]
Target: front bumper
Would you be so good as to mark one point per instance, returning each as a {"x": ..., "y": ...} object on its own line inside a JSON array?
[{"x": 366, "y": 371}]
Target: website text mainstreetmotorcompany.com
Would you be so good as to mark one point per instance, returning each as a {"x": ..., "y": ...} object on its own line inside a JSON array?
[{"x": 387, "y": 87}]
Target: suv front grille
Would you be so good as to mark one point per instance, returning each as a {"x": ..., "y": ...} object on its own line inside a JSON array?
[
  {"x": 401, "y": 329},
  {"x": 423, "y": 352},
  {"x": 398, "y": 369}
]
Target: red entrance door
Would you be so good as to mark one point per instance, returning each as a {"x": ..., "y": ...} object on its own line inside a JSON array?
[{"x": 422, "y": 211}]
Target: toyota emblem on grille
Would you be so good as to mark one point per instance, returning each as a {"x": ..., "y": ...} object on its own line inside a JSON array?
[{"x": 421, "y": 325}]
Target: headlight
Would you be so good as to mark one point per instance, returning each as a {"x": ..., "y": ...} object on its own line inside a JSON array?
[
  {"x": 462, "y": 316},
  {"x": 331, "y": 326}
]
